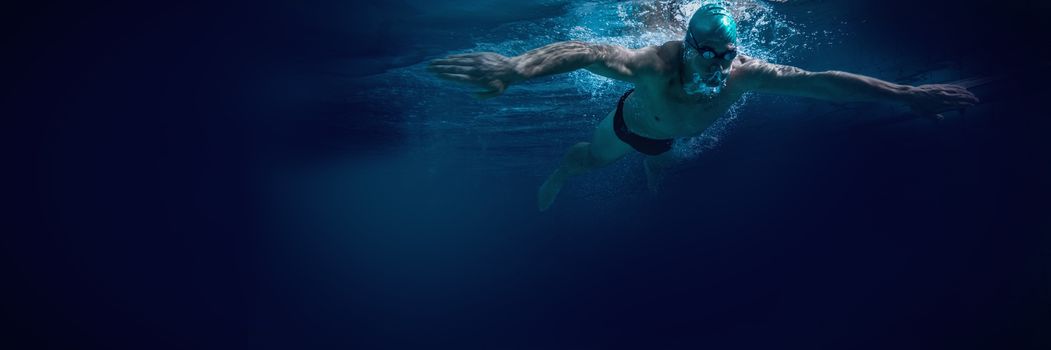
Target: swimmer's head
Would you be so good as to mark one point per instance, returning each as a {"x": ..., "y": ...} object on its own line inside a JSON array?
[
  {"x": 709, "y": 48},
  {"x": 713, "y": 21}
]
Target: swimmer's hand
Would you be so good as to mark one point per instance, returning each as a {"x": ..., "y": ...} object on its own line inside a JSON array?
[
  {"x": 933, "y": 99},
  {"x": 490, "y": 71}
]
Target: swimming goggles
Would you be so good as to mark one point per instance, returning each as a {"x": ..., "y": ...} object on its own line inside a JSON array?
[{"x": 709, "y": 52}]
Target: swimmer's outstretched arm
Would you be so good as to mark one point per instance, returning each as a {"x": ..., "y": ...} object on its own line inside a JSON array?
[
  {"x": 494, "y": 72},
  {"x": 839, "y": 86}
]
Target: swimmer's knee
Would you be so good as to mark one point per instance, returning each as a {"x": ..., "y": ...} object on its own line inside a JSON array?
[
  {"x": 579, "y": 155},
  {"x": 599, "y": 157},
  {"x": 583, "y": 155}
]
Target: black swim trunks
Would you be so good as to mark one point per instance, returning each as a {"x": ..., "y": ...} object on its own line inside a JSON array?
[{"x": 639, "y": 143}]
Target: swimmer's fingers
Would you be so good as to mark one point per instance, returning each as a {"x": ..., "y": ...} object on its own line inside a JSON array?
[
  {"x": 468, "y": 59},
  {"x": 966, "y": 97},
  {"x": 449, "y": 61},
  {"x": 956, "y": 98},
  {"x": 463, "y": 78},
  {"x": 962, "y": 101},
  {"x": 961, "y": 93},
  {"x": 953, "y": 94},
  {"x": 489, "y": 70},
  {"x": 460, "y": 73},
  {"x": 493, "y": 88},
  {"x": 465, "y": 55},
  {"x": 943, "y": 98},
  {"x": 451, "y": 69},
  {"x": 948, "y": 92}
]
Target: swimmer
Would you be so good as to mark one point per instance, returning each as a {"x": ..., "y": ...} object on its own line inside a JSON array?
[{"x": 680, "y": 89}]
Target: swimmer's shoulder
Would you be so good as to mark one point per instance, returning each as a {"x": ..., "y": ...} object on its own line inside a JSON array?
[
  {"x": 748, "y": 63},
  {"x": 663, "y": 59},
  {"x": 748, "y": 71}
]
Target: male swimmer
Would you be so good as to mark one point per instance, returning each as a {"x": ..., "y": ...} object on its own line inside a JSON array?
[{"x": 681, "y": 88}]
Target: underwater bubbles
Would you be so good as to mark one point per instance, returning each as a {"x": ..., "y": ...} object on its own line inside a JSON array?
[{"x": 763, "y": 33}]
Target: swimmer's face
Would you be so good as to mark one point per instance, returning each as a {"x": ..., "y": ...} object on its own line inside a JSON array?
[{"x": 708, "y": 61}]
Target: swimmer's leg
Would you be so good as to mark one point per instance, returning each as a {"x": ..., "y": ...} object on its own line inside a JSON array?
[
  {"x": 604, "y": 148},
  {"x": 655, "y": 166}
]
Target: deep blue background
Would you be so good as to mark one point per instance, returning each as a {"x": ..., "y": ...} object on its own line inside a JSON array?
[{"x": 139, "y": 139}]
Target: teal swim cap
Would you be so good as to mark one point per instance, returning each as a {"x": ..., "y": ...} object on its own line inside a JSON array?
[{"x": 713, "y": 19}]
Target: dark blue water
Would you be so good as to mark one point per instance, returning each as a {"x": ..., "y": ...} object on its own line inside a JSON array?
[{"x": 267, "y": 175}]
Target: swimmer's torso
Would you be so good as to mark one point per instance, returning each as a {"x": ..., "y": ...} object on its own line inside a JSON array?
[{"x": 660, "y": 109}]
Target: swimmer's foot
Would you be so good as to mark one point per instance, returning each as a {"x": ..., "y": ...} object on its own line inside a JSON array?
[
  {"x": 549, "y": 190},
  {"x": 654, "y": 174}
]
